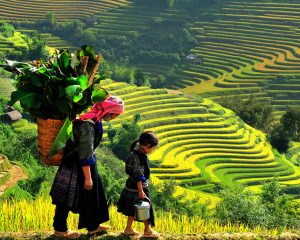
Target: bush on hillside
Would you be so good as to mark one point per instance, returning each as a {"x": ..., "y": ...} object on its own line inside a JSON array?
[
  {"x": 271, "y": 209},
  {"x": 6, "y": 29},
  {"x": 254, "y": 112},
  {"x": 279, "y": 138},
  {"x": 162, "y": 196},
  {"x": 290, "y": 122},
  {"x": 121, "y": 138}
]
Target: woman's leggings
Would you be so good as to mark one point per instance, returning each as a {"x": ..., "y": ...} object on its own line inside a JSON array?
[{"x": 60, "y": 219}]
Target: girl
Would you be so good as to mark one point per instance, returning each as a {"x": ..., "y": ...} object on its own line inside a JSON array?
[
  {"x": 137, "y": 166},
  {"x": 77, "y": 186}
]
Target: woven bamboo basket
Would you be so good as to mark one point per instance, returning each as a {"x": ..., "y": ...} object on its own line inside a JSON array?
[{"x": 47, "y": 132}]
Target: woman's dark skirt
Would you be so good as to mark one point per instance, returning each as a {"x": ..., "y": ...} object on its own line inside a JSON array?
[
  {"x": 68, "y": 190},
  {"x": 93, "y": 209},
  {"x": 128, "y": 199}
]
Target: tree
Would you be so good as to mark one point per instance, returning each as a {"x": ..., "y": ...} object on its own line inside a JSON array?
[
  {"x": 170, "y": 3},
  {"x": 121, "y": 138},
  {"x": 291, "y": 122},
  {"x": 238, "y": 206},
  {"x": 254, "y": 112},
  {"x": 281, "y": 211},
  {"x": 50, "y": 19},
  {"x": 6, "y": 29},
  {"x": 36, "y": 47},
  {"x": 279, "y": 138},
  {"x": 269, "y": 209},
  {"x": 140, "y": 78}
]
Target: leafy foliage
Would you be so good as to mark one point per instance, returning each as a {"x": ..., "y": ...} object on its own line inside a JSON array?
[
  {"x": 291, "y": 123},
  {"x": 287, "y": 130},
  {"x": 256, "y": 113},
  {"x": 271, "y": 209},
  {"x": 279, "y": 138},
  {"x": 121, "y": 138},
  {"x": 21, "y": 147},
  {"x": 6, "y": 29},
  {"x": 162, "y": 196},
  {"x": 62, "y": 86}
]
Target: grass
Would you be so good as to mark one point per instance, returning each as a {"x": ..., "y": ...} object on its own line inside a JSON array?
[
  {"x": 38, "y": 216},
  {"x": 6, "y": 87},
  {"x": 23, "y": 125}
]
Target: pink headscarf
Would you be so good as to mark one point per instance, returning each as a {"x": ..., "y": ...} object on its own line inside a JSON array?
[{"x": 113, "y": 104}]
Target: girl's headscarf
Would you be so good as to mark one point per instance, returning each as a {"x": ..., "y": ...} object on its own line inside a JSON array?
[{"x": 113, "y": 105}]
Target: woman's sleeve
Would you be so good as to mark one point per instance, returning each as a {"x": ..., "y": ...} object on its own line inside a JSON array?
[
  {"x": 85, "y": 144},
  {"x": 134, "y": 169}
]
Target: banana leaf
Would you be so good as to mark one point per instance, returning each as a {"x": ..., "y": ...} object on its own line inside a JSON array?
[
  {"x": 61, "y": 139},
  {"x": 29, "y": 99},
  {"x": 99, "y": 94}
]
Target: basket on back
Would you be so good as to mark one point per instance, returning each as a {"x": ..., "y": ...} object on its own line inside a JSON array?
[{"x": 47, "y": 132}]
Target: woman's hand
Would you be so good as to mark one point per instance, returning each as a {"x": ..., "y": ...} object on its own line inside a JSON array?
[
  {"x": 88, "y": 184},
  {"x": 142, "y": 195}
]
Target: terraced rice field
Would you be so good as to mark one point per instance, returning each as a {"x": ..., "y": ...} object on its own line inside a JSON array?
[
  {"x": 51, "y": 40},
  {"x": 32, "y": 10},
  {"x": 247, "y": 48},
  {"x": 132, "y": 19},
  {"x": 201, "y": 143},
  {"x": 12, "y": 44}
]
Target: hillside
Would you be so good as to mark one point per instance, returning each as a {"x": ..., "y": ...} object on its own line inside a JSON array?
[
  {"x": 35, "y": 10},
  {"x": 13, "y": 44},
  {"x": 245, "y": 47},
  {"x": 192, "y": 53},
  {"x": 201, "y": 143}
]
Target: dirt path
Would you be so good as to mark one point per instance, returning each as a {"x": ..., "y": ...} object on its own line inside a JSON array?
[
  {"x": 117, "y": 235},
  {"x": 16, "y": 174}
]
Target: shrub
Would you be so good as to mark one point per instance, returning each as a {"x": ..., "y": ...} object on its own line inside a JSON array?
[
  {"x": 271, "y": 209},
  {"x": 121, "y": 138},
  {"x": 238, "y": 206}
]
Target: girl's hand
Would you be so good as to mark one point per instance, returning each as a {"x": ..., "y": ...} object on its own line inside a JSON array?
[
  {"x": 88, "y": 184},
  {"x": 142, "y": 195}
]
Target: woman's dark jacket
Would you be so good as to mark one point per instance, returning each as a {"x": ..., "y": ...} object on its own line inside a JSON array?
[{"x": 66, "y": 186}]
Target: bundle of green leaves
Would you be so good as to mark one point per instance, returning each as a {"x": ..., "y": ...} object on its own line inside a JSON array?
[{"x": 62, "y": 86}]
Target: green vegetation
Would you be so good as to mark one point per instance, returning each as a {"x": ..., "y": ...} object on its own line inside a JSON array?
[
  {"x": 244, "y": 48},
  {"x": 291, "y": 123},
  {"x": 21, "y": 147},
  {"x": 253, "y": 112},
  {"x": 128, "y": 47},
  {"x": 271, "y": 209},
  {"x": 21, "y": 46},
  {"x": 6, "y": 29},
  {"x": 122, "y": 137},
  {"x": 202, "y": 145},
  {"x": 63, "y": 85},
  {"x": 286, "y": 131}
]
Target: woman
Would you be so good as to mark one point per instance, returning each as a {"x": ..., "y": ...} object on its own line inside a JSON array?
[{"x": 77, "y": 186}]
